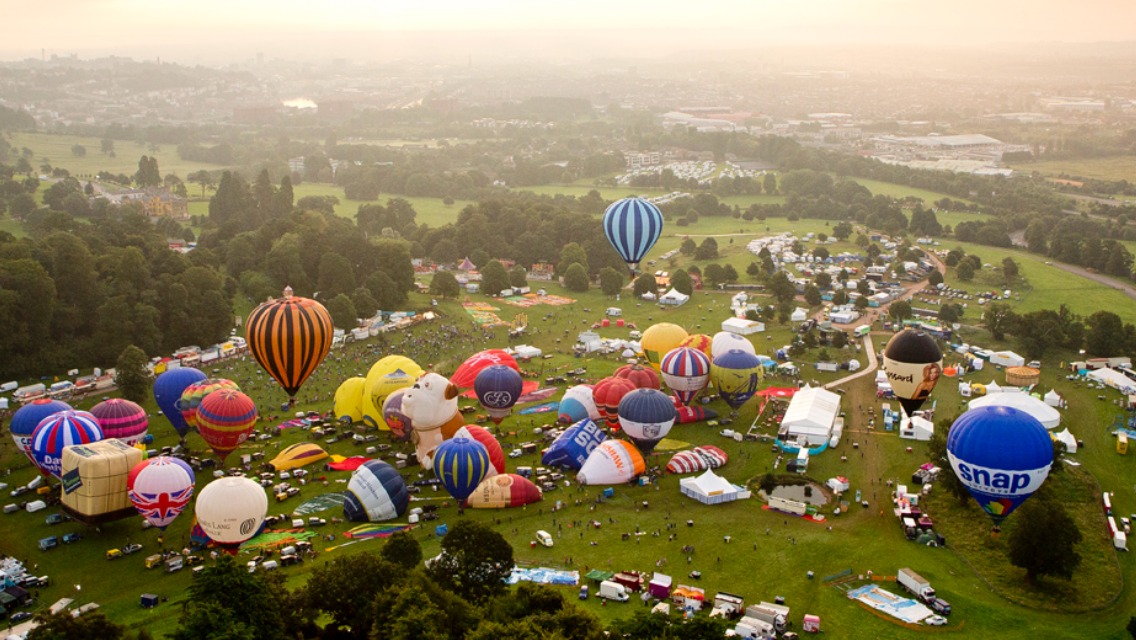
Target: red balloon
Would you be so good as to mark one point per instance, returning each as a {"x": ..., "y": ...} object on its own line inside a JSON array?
[
  {"x": 483, "y": 435},
  {"x": 640, "y": 376},
  {"x": 465, "y": 375},
  {"x": 608, "y": 392}
]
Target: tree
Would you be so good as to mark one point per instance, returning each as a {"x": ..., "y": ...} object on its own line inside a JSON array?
[
  {"x": 937, "y": 454},
  {"x": 900, "y": 310},
  {"x": 474, "y": 563},
  {"x": 494, "y": 278},
  {"x": 714, "y": 274},
  {"x": 1105, "y": 335},
  {"x": 935, "y": 278},
  {"x": 92, "y": 625},
  {"x": 610, "y": 281},
  {"x": 226, "y": 602},
  {"x": 402, "y": 550},
  {"x": 148, "y": 174},
  {"x": 365, "y": 303},
  {"x": 782, "y": 288},
  {"x": 518, "y": 277},
  {"x": 769, "y": 183},
  {"x": 812, "y": 295},
  {"x": 681, "y": 282},
  {"x": 335, "y": 276},
  {"x": 572, "y": 253},
  {"x": 343, "y": 313},
  {"x": 965, "y": 271},
  {"x": 998, "y": 319},
  {"x": 950, "y": 313},
  {"x": 1044, "y": 539},
  {"x": 576, "y": 278},
  {"x": 1010, "y": 269},
  {"x": 131, "y": 375},
  {"x": 445, "y": 284},
  {"x": 708, "y": 250},
  {"x": 345, "y": 590},
  {"x": 645, "y": 284},
  {"x": 688, "y": 246}
]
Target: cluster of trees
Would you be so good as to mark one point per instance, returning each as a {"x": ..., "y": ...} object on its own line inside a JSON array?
[
  {"x": 1102, "y": 334},
  {"x": 1081, "y": 241}
]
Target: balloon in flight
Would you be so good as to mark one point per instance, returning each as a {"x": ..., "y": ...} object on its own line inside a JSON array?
[
  {"x": 913, "y": 363},
  {"x": 289, "y": 337},
  {"x": 61, "y": 430},
  {"x": 461, "y": 465},
  {"x": 225, "y": 419},
  {"x": 646, "y": 416},
  {"x": 686, "y": 371},
  {"x": 122, "y": 419},
  {"x": 632, "y": 226},
  {"x": 736, "y": 374},
  {"x": 498, "y": 388}
]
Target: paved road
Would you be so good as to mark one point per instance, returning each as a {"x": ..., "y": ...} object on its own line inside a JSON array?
[{"x": 873, "y": 364}]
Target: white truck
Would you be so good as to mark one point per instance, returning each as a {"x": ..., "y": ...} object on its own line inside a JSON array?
[
  {"x": 613, "y": 591},
  {"x": 775, "y": 615},
  {"x": 752, "y": 628},
  {"x": 915, "y": 584},
  {"x": 727, "y": 605}
]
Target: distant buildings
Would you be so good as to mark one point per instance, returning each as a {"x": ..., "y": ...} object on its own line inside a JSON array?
[{"x": 157, "y": 202}]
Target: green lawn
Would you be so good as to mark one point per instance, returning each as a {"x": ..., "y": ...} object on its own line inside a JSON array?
[
  {"x": 1111, "y": 168},
  {"x": 57, "y": 149}
]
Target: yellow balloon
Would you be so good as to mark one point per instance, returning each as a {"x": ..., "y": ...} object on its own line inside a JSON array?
[
  {"x": 660, "y": 338},
  {"x": 699, "y": 341},
  {"x": 386, "y": 376},
  {"x": 349, "y": 399}
]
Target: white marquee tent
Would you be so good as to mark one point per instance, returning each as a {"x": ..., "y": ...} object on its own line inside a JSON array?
[
  {"x": 1114, "y": 379},
  {"x": 1053, "y": 398},
  {"x": 674, "y": 297},
  {"x": 711, "y": 488},
  {"x": 811, "y": 415},
  {"x": 741, "y": 326},
  {"x": 1045, "y": 414}
]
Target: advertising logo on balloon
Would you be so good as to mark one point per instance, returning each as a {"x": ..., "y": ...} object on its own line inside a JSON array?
[
  {"x": 497, "y": 399},
  {"x": 248, "y": 526},
  {"x": 998, "y": 482}
]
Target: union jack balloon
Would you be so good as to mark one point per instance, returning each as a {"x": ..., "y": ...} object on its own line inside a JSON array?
[{"x": 160, "y": 489}]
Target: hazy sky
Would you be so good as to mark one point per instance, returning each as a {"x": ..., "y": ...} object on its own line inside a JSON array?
[{"x": 206, "y": 30}]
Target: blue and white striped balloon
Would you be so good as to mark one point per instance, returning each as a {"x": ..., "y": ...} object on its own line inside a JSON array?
[
  {"x": 376, "y": 492},
  {"x": 686, "y": 371},
  {"x": 632, "y": 225},
  {"x": 61, "y": 430}
]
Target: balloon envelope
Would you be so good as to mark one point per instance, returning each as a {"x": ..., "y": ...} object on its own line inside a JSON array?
[
  {"x": 122, "y": 419},
  {"x": 289, "y": 337},
  {"x": 578, "y": 403},
  {"x": 725, "y": 341},
  {"x": 60, "y": 430},
  {"x": 487, "y": 439},
  {"x": 697, "y": 459},
  {"x": 348, "y": 402},
  {"x": 640, "y": 376},
  {"x": 646, "y": 416},
  {"x": 384, "y": 377},
  {"x": 660, "y": 338},
  {"x": 608, "y": 393},
  {"x": 397, "y": 421},
  {"x": 572, "y": 448},
  {"x": 168, "y": 388},
  {"x": 700, "y": 341},
  {"x": 1001, "y": 455},
  {"x": 28, "y": 417},
  {"x": 632, "y": 226},
  {"x": 376, "y": 492},
  {"x": 95, "y": 485},
  {"x": 298, "y": 455},
  {"x": 225, "y": 419},
  {"x": 503, "y": 491},
  {"x": 686, "y": 371},
  {"x": 735, "y": 375},
  {"x": 913, "y": 363},
  {"x": 612, "y": 462},
  {"x": 467, "y": 372},
  {"x": 498, "y": 387},
  {"x": 461, "y": 465},
  {"x": 160, "y": 489},
  {"x": 193, "y": 395},
  {"x": 231, "y": 510}
]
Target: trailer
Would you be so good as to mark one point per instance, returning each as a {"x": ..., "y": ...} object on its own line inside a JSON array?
[
  {"x": 915, "y": 584},
  {"x": 788, "y": 506}
]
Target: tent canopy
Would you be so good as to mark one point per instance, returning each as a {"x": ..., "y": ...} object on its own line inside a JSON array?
[
  {"x": 811, "y": 414},
  {"x": 1045, "y": 414}
]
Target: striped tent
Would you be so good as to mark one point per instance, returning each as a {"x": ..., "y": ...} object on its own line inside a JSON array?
[{"x": 289, "y": 337}]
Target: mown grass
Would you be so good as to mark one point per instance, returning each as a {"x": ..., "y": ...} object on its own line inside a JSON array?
[
  {"x": 57, "y": 149},
  {"x": 1110, "y": 168}
]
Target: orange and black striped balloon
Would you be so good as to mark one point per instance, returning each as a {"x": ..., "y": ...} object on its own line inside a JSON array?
[{"x": 289, "y": 337}]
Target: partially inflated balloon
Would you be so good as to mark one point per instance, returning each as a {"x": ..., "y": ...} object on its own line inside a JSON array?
[
  {"x": 160, "y": 489},
  {"x": 400, "y": 425},
  {"x": 467, "y": 372},
  {"x": 289, "y": 337},
  {"x": 461, "y": 465},
  {"x": 572, "y": 448},
  {"x": 168, "y": 388},
  {"x": 608, "y": 393},
  {"x": 577, "y": 404},
  {"x": 697, "y": 459},
  {"x": 736, "y": 374},
  {"x": 503, "y": 491},
  {"x": 686, "y": 371},
  {"x": 225, "y": 419},
  {"x": 121, "y": 419},
  {"x": 28, "y": 417},
  {"x": 487, "y": 439},
  {"x": 193, "y": 395},
  {"x": 612, "y": 462},
  {"x": 726, "y": 341},
  {"x": 384, "y": 377},
  {"x": 61, "y": 430},
  {"x": 498, "y": 388},
  {"x": 632, "y": 226},
  {"x": 700, "y": 341},
  {"x": 660, "y": 338},
  {"x": 1001, "y": 455},
  {"x": 640, "y": 376},
  {"x": 231, "y": 510},
  {"x": 348, "y": 401},
  {"x": 298, "y": 455},
  {"x": 646, "y": 416},
  {"x": 913, "y": 363},
  {"x": 376, "y": 492}
]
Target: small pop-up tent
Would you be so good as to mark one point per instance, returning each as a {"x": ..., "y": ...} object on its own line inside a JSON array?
[{"x": 710, "y": 488}]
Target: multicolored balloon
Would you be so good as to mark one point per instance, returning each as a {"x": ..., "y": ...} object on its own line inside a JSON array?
[
  {"x": 122, "y": 419},
  {"x": 160, "y": 489},
  {"x": 466, "y": 374},
  {"x": 640, "y": 376},
  {"x": 482, "y": 435},
  {"x": 660, "y": 338},
  {"x": 298, "y": 455},
  {"x": 686, "y": 371},
  {"x": 503, "y": 491},
  {"x": 913, "y": 363},
  {"x": 289, "y": 337},
  {"x": 168, "y": 389},
  {"x": 646, "y": 416},
  {"x": 193, "y": 395},
  {"x": 1002, "y": 456},
  {"x": 461, "y": 465},
  {"x": 498, "y": 388},
  {"x": 577, "y": 404},
  {"x": 697, "y": 459},
  {"x": 725, "y": 341},
  {"x": 28, "y": 417},
  {"x": 571, "y": 449},
  {"x": 612, "y": 462},
  {"x": 400, "y": 424},
  {"x": 384, "y": 378},
  {"x": 700, "y": 341},
  {"x": 225, "y": 419},
  {"x": 61, "y": 430},
  {"x": 348, "y": 401},
  {"x": 231, "y": 510},
  {"x": 736, "y": 374},
  {"x": 608, "y": 393},
  {"x": 375, "y": 493},
  {"x": 632, "y": 226}
]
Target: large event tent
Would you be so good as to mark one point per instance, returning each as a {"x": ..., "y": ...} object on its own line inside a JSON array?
[
  {"x": 1045, "y": 414},
  {"x": 810, "y": 416}
]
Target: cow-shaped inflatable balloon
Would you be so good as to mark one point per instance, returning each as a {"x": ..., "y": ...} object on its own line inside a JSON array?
[{"x": 432, "y": 406}]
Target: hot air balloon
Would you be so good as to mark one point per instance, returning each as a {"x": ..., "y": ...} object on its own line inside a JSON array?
[
  {"x": 608, "y": 393},
  {"x": 289, "y": 337},
  {"x": 735, "y": 374},
  {"x": 697, "y": 459},
  {"x": 498, "y": 387},
  {"x": 913, "y": 363},
  {"x": 700, "y": 341},
  {"x": 640, "y": 376},
  {"x": 297, "y": 455},
  {"x": 60, "y": 430},
  {"x": 660, "y": 338},
  {"x": 168, "y": 388},
  {"x": 193, "y": 395},
  {"x": 503, "y": 491},
  {"x": 225, "y": 419},
  {"x": 1002, "y": 455},
  {"x": 384, "y": 377},
  {"x": 725, "y": 341},
  {"x": 376, "y": 492},
  {"x": 348, "y": 402},
  {"x": 28, "y": 417},
  {"x": 572, "y": 447},
  {"x": 432, "y": 405},
  {"x": 467, "y": 372},
  {"x": 646, "y": 416},
  {"x": 461, "y": 465},
  {"x": 632, "y": 226},
  {"x": 577, "y": 404},
  {"x": 160, "y": 489},
  {"x": 121, "y": 419},
  {"x": 687, "y": 415},
  {"x": 612, "y": 462},
  {"x": 398, "y": 422},
  {"x": 686, "y": 371},
  {"x": 492, "y": 447},
  {"x": 231, "y": 510},
  {"x": 101, "y": 470}
]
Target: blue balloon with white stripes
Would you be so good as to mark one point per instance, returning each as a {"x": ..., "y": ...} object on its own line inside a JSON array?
[
  {"x": 376, "y": 492},
  {"x": 461, "y": 464},
  {"x": 632, "y": 225}
]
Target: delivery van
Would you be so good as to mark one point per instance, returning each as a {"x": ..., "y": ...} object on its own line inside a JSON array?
[
  {"x": 544, "y": 538},
  {"x": 613, "y": 591}
]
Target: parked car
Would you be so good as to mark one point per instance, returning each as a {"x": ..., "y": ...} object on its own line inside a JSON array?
[
  {"x": 20, "y": 616},
  {"x": 935, "y": 621}
]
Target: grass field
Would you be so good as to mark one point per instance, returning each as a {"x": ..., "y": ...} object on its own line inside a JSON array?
[
  {"x": 57, "y": 149},
  {"x": 1111, "y": 168}
]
